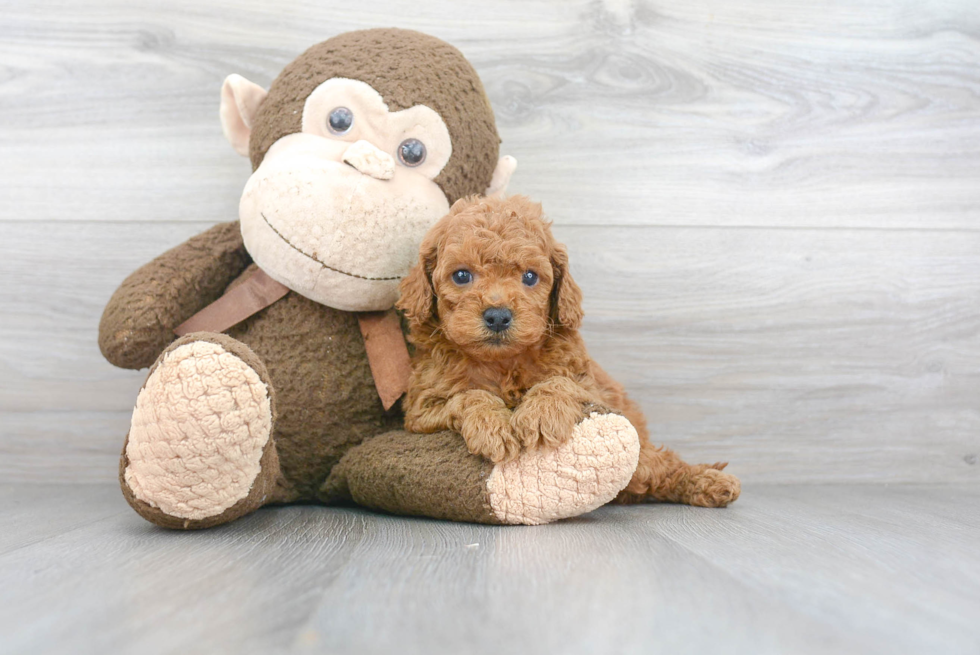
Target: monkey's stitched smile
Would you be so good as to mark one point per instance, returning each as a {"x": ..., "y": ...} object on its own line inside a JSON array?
[{"x": 326, "y": 266}]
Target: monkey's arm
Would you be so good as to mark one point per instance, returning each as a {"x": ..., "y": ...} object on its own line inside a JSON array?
[{"x": 139, "y": 321}]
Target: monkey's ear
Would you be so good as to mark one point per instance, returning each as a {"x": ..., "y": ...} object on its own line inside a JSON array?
[
  {"x": 501, "y": 176},
  {"x": 417, "y": 297},
  {"x": 240, "y": 100},
  {"x": 566, "y": 296}
]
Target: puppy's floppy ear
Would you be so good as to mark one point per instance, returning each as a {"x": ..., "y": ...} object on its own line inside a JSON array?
[
  {"x": 417, "y": 295},
  {"x": 566, "y": 297}
]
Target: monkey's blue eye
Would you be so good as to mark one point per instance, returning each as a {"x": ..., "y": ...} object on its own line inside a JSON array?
[
  {"x": 411, "y": 152},
  {"x": 340, "y": 120},
  {"x": 462, "y": 276},
  {"x": 529, "y": 279}
]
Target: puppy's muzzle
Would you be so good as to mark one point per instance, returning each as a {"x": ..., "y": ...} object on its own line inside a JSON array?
[{"x": 498, "y": 319}]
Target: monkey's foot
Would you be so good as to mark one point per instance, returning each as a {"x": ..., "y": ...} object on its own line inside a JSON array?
[
  {"x": 583, "y": 473},
  {"x": 435, "y": 475},
  {"x": 199, "y": 450}
]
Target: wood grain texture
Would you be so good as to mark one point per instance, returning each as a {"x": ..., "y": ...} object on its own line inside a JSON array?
[
  {"x": 760, "y": 112},
  {"x": 821, "y": 569},
  {"x": 772, "y": 206}
]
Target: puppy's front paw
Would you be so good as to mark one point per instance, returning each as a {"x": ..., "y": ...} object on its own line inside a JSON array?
[
  {"x": 487, "y": 433},
  {"x": 545, "y": 421}
]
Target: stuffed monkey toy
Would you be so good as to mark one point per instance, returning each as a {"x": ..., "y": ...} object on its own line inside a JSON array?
[{"x": 284, "y": 384}]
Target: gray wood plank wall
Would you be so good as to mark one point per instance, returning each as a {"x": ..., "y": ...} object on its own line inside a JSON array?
[{"x": 773, "y": 207}]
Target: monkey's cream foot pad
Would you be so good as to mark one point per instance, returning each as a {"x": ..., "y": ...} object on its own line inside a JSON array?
[
  {"x": 198, "y": 432},
  {"x": 584, "y": 473}
]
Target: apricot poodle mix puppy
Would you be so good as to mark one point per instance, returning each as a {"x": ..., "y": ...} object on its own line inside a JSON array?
[{"x": 494, "y": 317}]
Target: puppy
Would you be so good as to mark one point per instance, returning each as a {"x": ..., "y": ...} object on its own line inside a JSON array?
[{"x": 494, "y": 316}]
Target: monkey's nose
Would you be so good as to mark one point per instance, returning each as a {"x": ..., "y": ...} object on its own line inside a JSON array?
[
  {"x": 497, "y": 319},
  {"x": 369, "y": 160}
]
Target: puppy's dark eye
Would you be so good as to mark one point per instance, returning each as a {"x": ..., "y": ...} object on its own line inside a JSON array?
[
  {"x": 340, "y": 120},
  {"x": 411, "y": 152},
  {"x": 462, "y": 276},
  {"x": 530, "y": 278}
]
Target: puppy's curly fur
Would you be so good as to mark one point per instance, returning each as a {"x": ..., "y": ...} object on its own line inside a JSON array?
[{"x": 528, "y": 385}]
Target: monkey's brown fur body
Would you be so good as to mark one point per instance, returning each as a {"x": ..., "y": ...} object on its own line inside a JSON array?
[{"x": 524, "y": 387}]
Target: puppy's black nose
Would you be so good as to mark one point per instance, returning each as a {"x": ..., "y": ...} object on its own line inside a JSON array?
[{"x": 497, "y": 318}]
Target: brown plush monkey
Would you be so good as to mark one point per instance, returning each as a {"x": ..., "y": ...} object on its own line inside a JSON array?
[{"x": 359, "y": 145}]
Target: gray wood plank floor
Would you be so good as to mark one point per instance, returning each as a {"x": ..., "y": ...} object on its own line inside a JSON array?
[{"x": 787, "y": 569}]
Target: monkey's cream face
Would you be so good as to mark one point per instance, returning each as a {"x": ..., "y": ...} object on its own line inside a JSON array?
[{"x": 337, "y": 212}]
